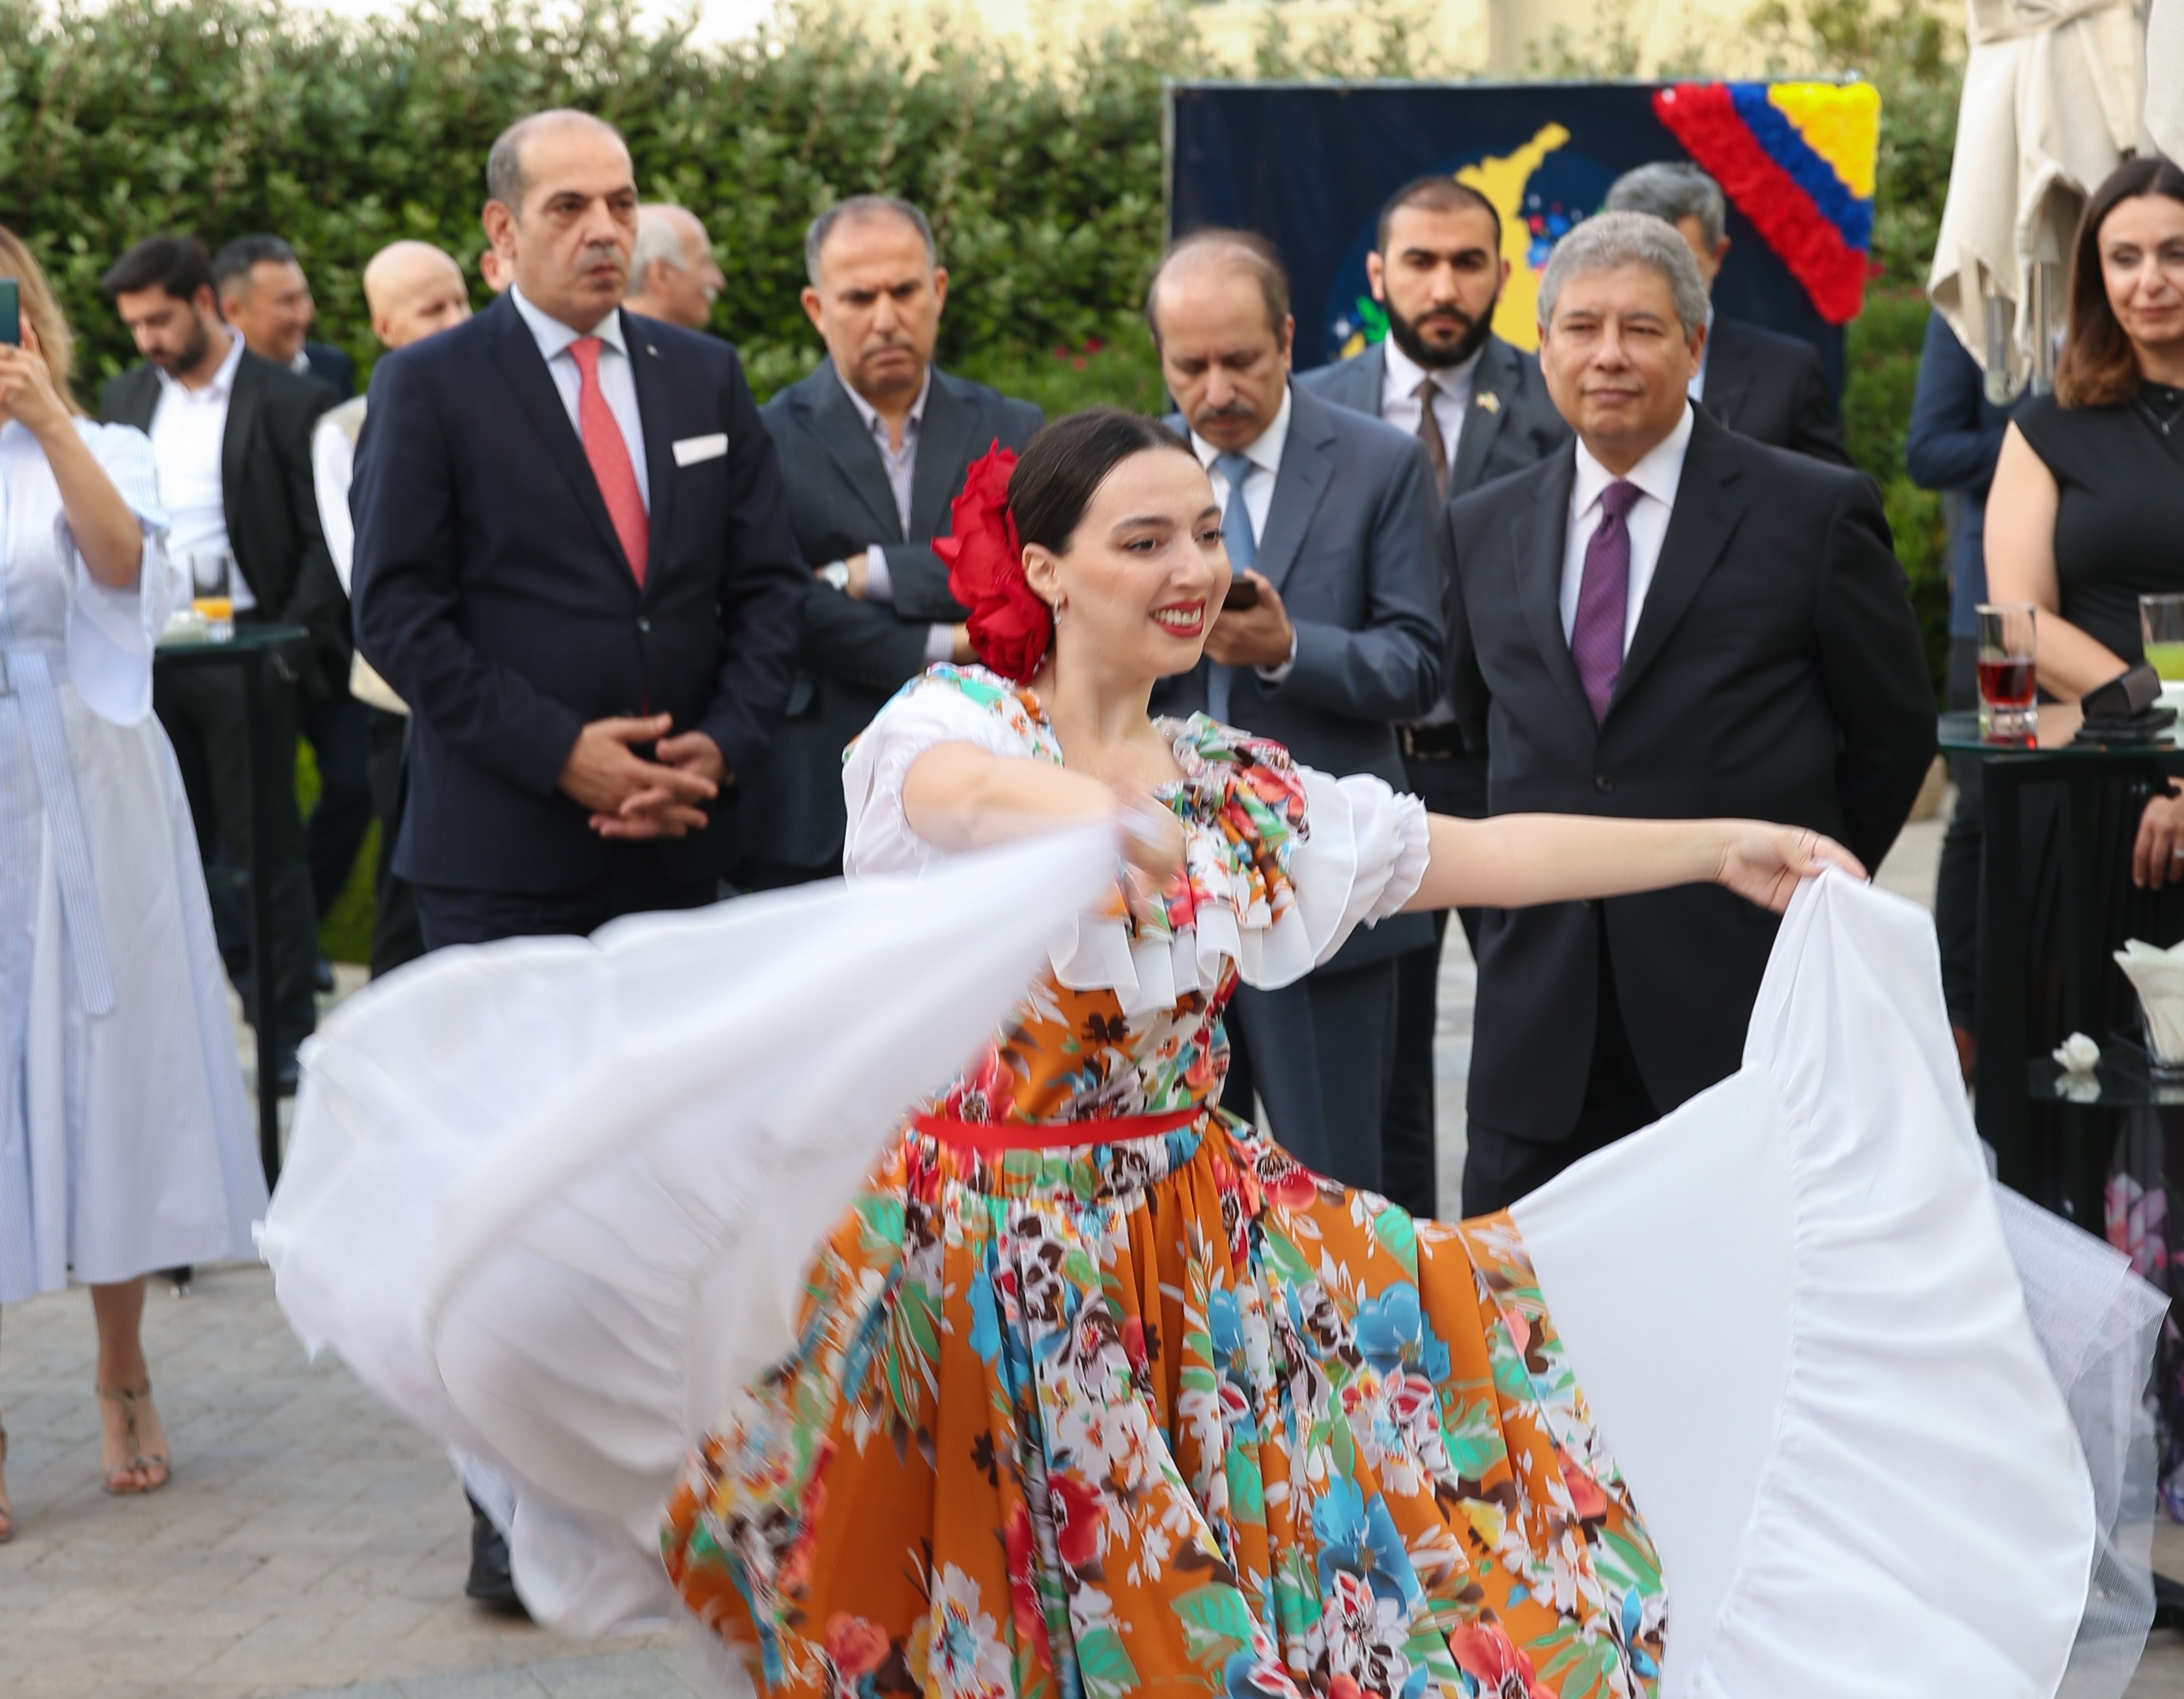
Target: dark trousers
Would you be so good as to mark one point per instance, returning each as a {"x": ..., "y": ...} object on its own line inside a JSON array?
[
  {"x": 1500, "y": 1168},
  {"x": 779, "y": 876},
  {"x": 202, "y": 709},
  {"x": 1409, "y": 1164},
  {"x": 339, "y": 733},
  {"x": 1318, "y": 1053},
  {"x": 634, "y": 883},
  {"x": 395, "y": 936},
  {"x": 1956, "y": 880}
]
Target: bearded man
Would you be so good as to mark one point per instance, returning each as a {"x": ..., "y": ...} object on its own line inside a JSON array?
[{"x": 1483, "y": 411}]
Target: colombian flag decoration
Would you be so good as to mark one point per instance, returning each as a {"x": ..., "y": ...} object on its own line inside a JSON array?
[{"x": 1797, "y": 159}]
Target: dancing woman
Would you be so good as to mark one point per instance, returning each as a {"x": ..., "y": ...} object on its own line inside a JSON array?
[
  {"x": 1091, "y": 1388},
  {"x": 1098, "y": 1389}
]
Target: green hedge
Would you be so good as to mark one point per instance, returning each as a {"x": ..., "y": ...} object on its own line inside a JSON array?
[{"x": 1043, "y": 183}]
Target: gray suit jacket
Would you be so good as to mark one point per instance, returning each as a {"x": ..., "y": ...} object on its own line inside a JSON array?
[
  {"x": 1512, "y": 423},
  {"x": 856, "y": 654},
  {"x": 1354, "y": 545}
]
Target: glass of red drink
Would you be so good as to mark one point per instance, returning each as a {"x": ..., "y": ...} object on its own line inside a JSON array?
[{"x": 2007, "y": 706}]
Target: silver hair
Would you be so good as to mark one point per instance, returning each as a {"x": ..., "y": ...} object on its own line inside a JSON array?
[
  {"x": 855, "y": 209},
  {"x": 658, "y": 239},
  {"x": 506, "y": 181},
  {"x": 1673, "y": 190},
  {"x": 1609, "y": 239}
]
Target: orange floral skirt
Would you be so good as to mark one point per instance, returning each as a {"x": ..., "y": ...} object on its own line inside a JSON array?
[{"x": 1168, "y": 1413}]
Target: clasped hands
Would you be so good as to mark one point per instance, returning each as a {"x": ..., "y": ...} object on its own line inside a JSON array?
[{"x": 629, "y": 797}]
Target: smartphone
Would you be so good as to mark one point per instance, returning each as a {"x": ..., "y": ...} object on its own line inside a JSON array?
[
  {"x": 11, "y": 311},
  {"x": 1242, "y": 592}
]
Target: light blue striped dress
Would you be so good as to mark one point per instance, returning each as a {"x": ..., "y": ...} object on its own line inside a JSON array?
[{"x": 124, "y": 1134}]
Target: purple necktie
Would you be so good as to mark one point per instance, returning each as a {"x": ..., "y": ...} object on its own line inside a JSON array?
[{"x": 1603, "y": 597}]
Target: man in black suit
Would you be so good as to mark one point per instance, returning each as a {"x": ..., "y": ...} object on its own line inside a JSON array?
[
  {"x": 1666, "y": 619},
  {"x": 1329, "y": 520},
  {"x": 874, "y": 446},
  {"x": 1760, "y": 383},
  {"x": 1482, "y": 410},
  {"x": 574, "y": 563},
  {"x": 266, "y": 300},
  {"x": 231, "y": 436}
]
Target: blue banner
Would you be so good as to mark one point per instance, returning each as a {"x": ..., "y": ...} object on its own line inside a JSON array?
[{"x": 1308, "y": 168}]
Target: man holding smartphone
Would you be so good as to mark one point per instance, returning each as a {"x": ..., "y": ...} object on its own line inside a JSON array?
[
  {"x": 231, "y": 434},
  {"x": 1334, "y": 639}
]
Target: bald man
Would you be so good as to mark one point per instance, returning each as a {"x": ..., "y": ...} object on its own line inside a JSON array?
[
  {"x": 412, "y": 290},
  {"x": 671, "y": 273}
]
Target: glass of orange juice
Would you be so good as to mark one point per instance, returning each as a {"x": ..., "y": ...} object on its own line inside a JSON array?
[{"x": 212, "y": 596}]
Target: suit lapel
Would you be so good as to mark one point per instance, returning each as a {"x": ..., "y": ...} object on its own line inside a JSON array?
[
  {"x": 1307, "y": 468},
  {"x": 243, "y": 401},
  {"x": 525, "y": 369},
  {"x": 1538, "y": 530},
  {"x": 651, "y": 379},
  {"x": 1493, "y": 380},
  {"x": 1700, "y": 525},
  {"x": 1363, "y": 380},
  {"x": 944, "y": 446},
  {"x": 139, "y": 395},
  {"x": 840, "y": 429}
]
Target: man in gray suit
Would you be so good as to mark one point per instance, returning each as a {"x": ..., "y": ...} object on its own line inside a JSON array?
[
  {"x": 874, "y": 446},
  {"x": 1483, "y": 411},
  {"x": 1330, "y": 521}
]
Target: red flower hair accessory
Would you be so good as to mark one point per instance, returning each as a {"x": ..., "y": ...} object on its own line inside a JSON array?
[{"x": 1010, "y": 629}]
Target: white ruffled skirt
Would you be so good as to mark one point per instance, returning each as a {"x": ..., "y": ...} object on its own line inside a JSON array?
[{"x": 555, "y": 1199}]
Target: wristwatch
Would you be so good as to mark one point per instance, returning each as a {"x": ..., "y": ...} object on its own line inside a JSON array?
[{"x": 837, "y": 573}]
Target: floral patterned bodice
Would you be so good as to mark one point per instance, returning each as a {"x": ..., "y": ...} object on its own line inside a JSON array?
[{"x": 1080, "y": 1055}]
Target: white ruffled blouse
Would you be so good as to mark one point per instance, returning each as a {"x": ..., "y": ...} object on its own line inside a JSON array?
[{"x": 1282, "y": 862}]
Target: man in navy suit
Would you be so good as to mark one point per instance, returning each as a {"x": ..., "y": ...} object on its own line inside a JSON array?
[
  {"x": 574, "y": 563},
  {"x": 1483, "y": 411},
  {"x": 1330, "y": 519}
]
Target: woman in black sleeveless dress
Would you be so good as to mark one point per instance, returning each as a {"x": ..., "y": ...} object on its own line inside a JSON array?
[{"x": 2087, "y": 516}]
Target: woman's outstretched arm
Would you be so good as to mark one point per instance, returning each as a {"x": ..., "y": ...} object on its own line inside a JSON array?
[
  {"x": 958, "y": 797},
  {"x": 1514, "y": 861}
]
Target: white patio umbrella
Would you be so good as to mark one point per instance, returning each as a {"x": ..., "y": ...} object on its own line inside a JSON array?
[
  {"x": 2164, "y": 88},
  {"x": 2051, "y": 106}
]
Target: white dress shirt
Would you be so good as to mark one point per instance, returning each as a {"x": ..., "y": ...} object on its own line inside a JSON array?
[
  {"x": 901, "y": 465},
  {"x": 1656, "y": 476},
  {"x": 188, "y": 427},
  {"x": 1265, "y": 454},
  {"x": 1400, "y": 378},
  {"x": 617, "y": 383},
  {"x": 333, "y": 470}
]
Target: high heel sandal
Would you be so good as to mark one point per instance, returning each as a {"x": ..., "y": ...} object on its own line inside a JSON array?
[
  {"x": 6, "y": 1511},
  {"x": 117, "y": 1475}
]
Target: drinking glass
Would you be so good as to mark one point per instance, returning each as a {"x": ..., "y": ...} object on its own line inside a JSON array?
[
  {"x": 2006, "y": 708},
  {"x": 212, "y": 597},
  {"x": 2161, "y": 624}
]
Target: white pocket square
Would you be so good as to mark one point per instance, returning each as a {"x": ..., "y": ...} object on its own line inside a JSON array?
[{"x": 692, "y": 449}]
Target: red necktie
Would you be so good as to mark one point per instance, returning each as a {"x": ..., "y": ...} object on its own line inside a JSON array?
[{"x": 609, "y": 457}]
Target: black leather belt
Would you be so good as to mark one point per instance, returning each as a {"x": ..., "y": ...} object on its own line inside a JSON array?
[{"x": 1440, "y": 743}]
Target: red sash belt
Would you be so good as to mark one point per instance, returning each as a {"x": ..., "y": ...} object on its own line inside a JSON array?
[{"x": 991, "y": 1138}]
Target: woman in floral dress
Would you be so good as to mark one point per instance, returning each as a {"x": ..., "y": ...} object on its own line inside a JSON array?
[{"x": 1096, "y": 1390}]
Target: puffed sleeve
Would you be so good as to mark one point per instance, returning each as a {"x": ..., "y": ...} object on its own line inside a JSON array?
[
  {"x": 945, "y": 705},
  {"x": 1359, "y": 862},
  {"x": 111, "y": 632}
]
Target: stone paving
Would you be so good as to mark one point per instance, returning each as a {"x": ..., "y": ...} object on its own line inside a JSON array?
[{"x": 311, "y": 1544}]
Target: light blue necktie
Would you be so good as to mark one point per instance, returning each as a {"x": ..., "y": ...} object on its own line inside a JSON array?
[{"x": 1243, "y": 552}]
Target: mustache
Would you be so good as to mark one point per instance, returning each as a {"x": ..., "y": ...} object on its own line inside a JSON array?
[
  {"x": 1239, "y": 409},
  {"x": 601, "y": 253}
]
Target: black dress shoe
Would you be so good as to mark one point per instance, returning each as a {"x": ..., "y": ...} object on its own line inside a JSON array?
[
  {"x": 322, "y": 977},
  {"x": 490, "y": 1583}
]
